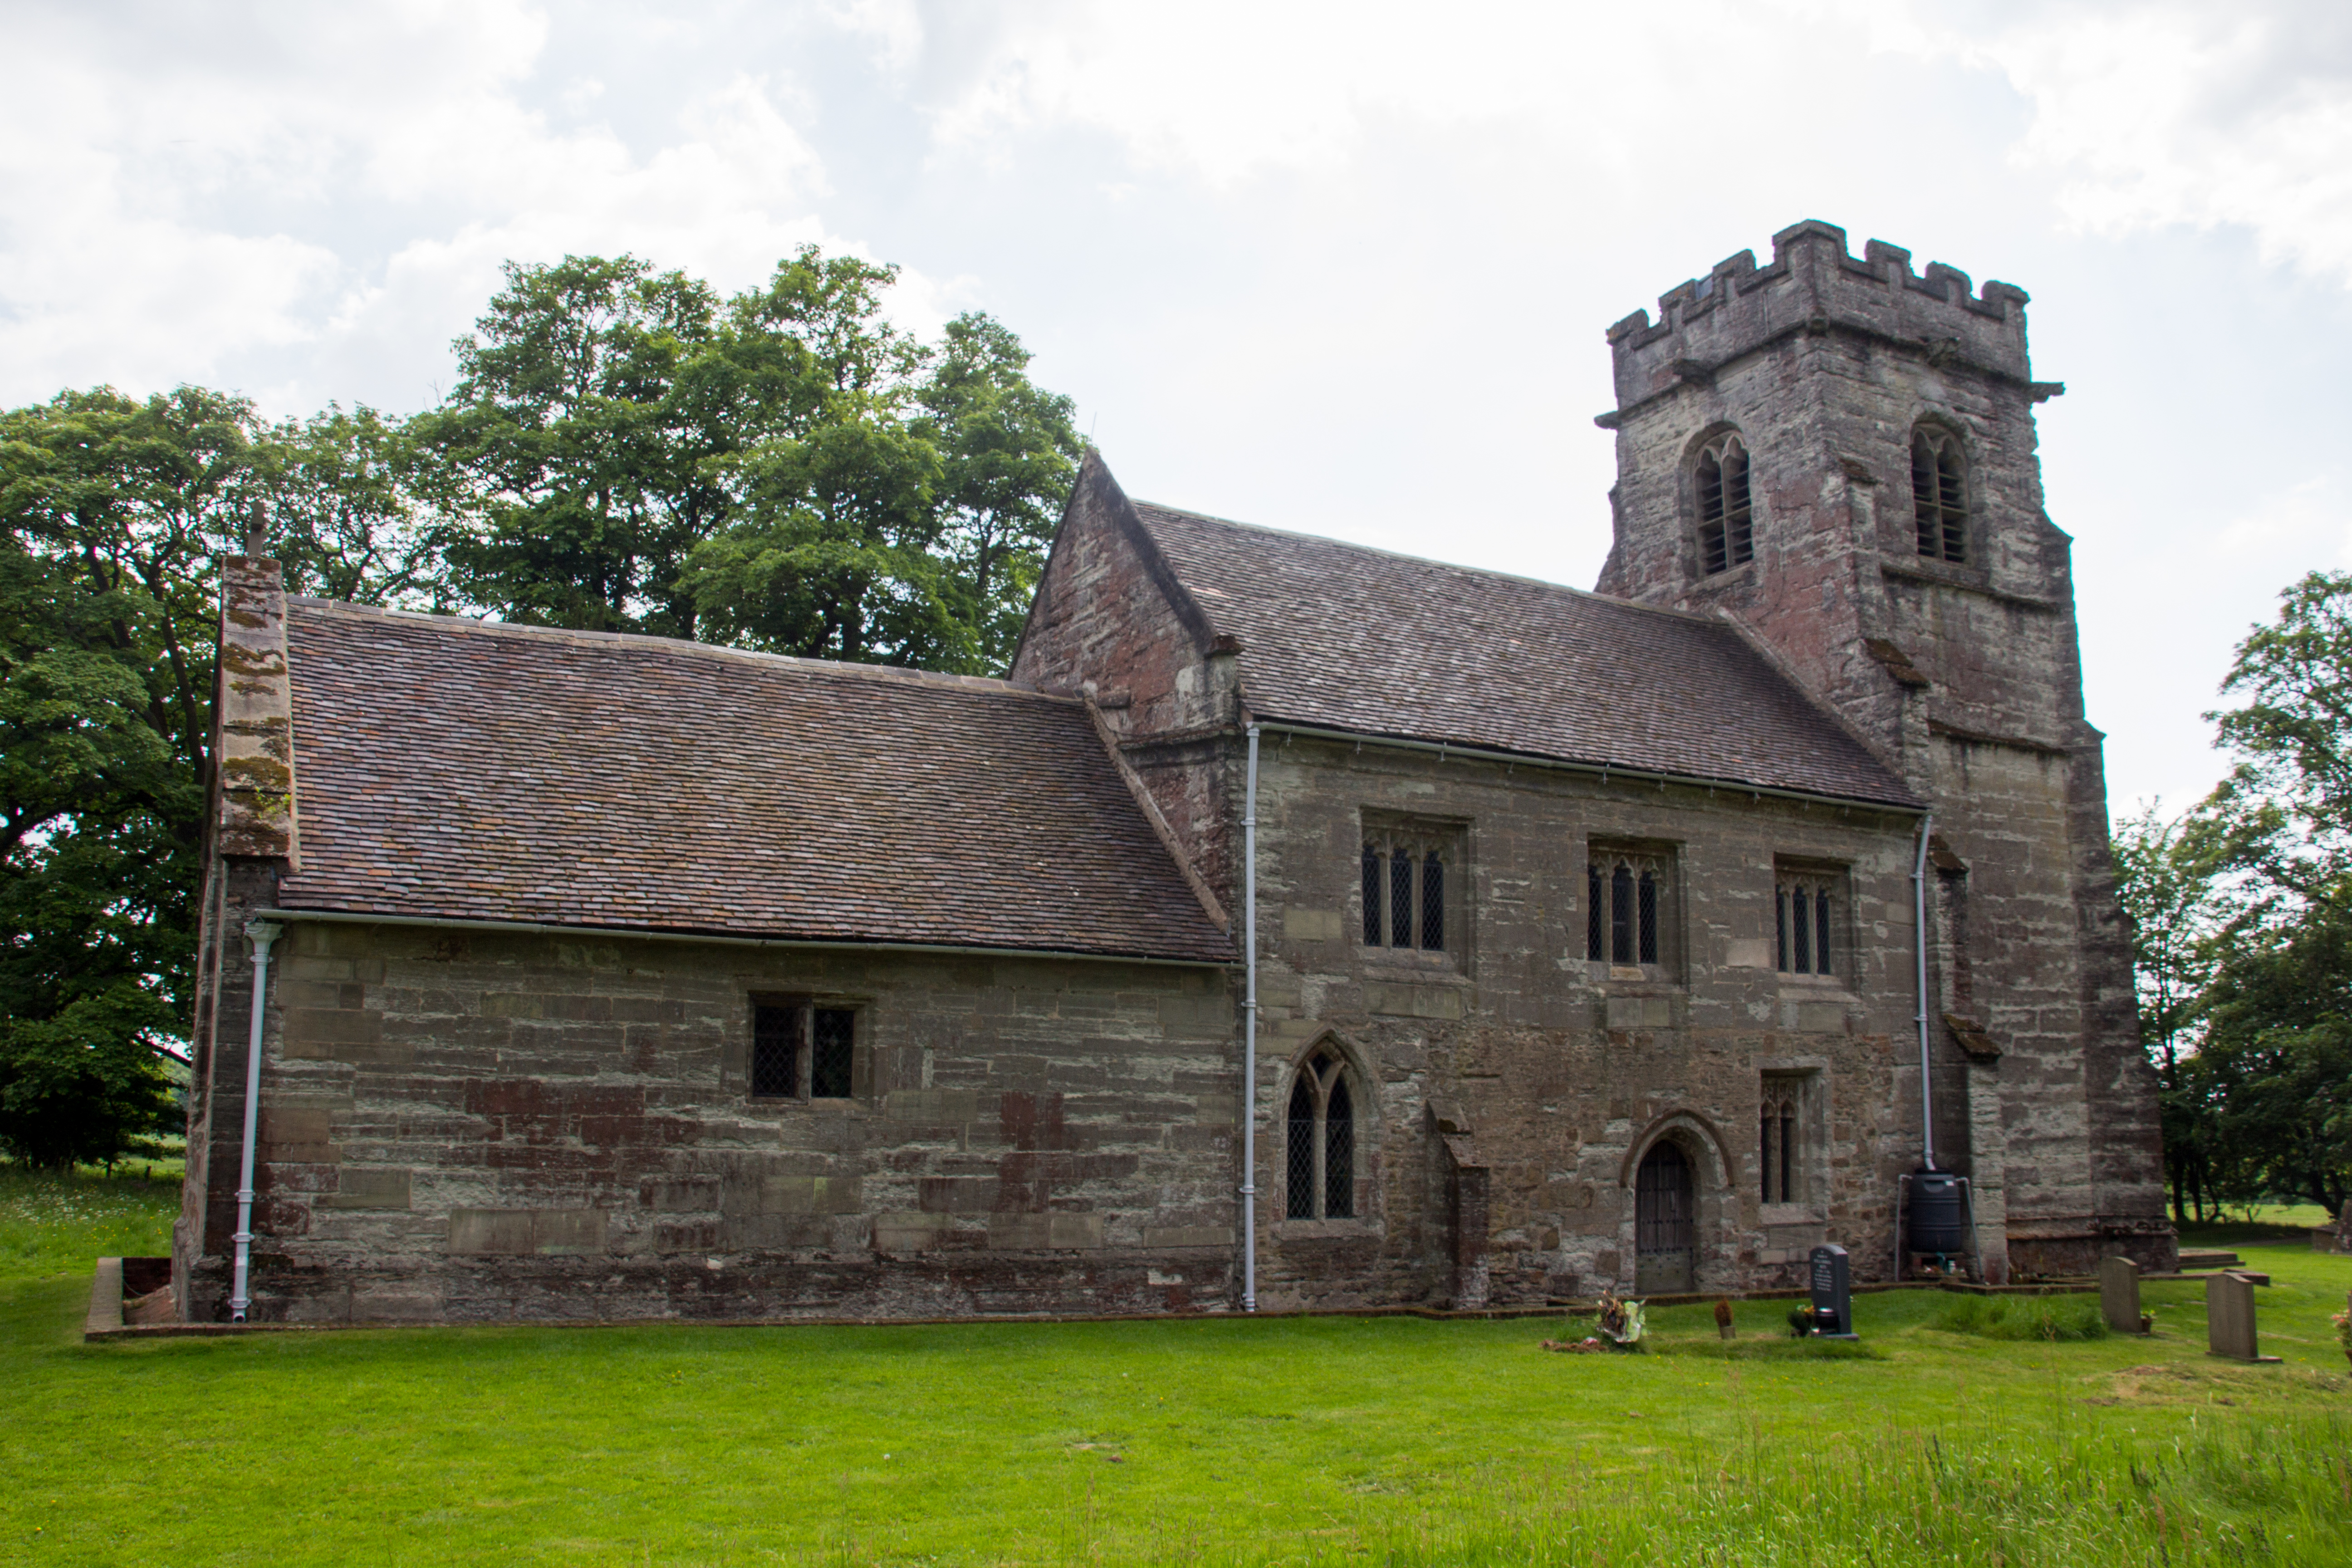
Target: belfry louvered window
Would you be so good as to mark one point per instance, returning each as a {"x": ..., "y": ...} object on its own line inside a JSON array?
[
  {"x": 1939, "y": 494},
  {"x": 1802, "y": 920},
  {"x": 1624, "y": 894},
  {"x": 1727, "y": 517},
  {"x": 1405, "y": 888},
  {"x": 1319, "y": 1160}
]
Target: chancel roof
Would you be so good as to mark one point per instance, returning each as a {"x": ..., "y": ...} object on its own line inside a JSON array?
[
  {"x": 1341, "y": 637},
  {"x": 464, "y": 770}
]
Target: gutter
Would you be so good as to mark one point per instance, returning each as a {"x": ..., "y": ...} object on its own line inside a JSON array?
[
  {"x": 643, "y": 933},
  {"x": 1599, "y": 769}
]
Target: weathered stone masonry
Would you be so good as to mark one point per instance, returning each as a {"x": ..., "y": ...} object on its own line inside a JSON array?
[{"x": 537, "y": 886}]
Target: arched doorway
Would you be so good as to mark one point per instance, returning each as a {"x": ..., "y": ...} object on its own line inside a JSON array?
[{"x": 1665, "y": 1234}]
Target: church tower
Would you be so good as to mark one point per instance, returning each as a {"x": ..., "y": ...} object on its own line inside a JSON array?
[{"x": 1838, "y": 456}]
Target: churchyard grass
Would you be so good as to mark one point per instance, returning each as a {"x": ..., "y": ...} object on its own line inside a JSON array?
[
  {"x": 53, "y": 1222},
  {"x": 1325, "y": 1440}
]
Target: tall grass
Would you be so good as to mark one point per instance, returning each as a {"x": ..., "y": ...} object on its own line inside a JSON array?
[
  {"x": 60, "y": 1223},
  {"x": 2024, "y": 1317},
  {"x": 2283, "y": 1496}
]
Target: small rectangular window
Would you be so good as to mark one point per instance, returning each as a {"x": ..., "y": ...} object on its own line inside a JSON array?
[{"x": 802, "y": 1051}]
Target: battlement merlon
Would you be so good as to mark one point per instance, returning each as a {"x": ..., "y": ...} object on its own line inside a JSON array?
[{"x": 1814, "y": 285}]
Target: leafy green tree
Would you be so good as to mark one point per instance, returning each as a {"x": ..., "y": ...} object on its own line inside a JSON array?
[
  {"x": 1008, "y": 453},
  {"x": 113, "y": 512},
  {"x": 2275, "y": 1066},
  {"x": 350, "y": 511},
  {"x": 2276, "y": 1060},
  {"x": 783, "y": 471},
  {"x": 571, "y": 448},
  {"x": 2167, "y": 879}
]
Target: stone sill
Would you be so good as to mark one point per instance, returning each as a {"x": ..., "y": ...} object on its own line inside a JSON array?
[
  {"x": 1329, "y": 1230},
  {"x": 1389, "y": 964}
]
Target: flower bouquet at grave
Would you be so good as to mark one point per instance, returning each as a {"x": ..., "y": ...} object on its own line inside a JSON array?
[
  {"x": 1804, "y": 1320},
  {"x": 1621, "y": 1321},
  {"x": 2343, "y": 1321}
]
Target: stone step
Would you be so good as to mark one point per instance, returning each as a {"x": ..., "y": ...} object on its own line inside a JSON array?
[{"x": 2190, "y": 1260}]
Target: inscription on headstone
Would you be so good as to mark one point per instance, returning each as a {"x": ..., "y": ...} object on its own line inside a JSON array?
[
  {"x": 1832, "y": 1294},
  {"x": 2119, "y": 1294},
  {"x": 2230, "y": 1318}
]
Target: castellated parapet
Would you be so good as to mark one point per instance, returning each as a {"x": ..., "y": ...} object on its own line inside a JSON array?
[{"x": 1815, "y": 286}]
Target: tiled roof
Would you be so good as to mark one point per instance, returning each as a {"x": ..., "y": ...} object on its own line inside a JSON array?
[
  {"x": 458, "y": 769},
  {"x": 1340, "y": 637}
]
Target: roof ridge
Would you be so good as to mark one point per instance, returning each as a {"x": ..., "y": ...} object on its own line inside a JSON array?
[
  {"x": 1608, "y": 599},
  {"x": 686, "y": 645}
]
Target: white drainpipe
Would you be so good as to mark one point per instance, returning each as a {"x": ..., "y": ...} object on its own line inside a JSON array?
[
  {"x": 262, "y": 934},
  {"x": 1249, "y": 1032}
]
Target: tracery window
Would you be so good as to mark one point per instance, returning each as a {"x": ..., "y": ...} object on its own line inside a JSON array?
[
  {"x": 800, "y": 1051},
  {"x": 1405, "y": 871},
  {"x": 1624, "y": 893},
  {"x": 1939, "y": 494},
  {"x": 1320, "y": 1159},
  {"x": 1780, "y": 1139},
  {"x": 1726, "y": 520},
  {"x": 1802, "y": 922}
]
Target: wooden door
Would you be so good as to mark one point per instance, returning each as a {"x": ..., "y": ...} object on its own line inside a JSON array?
[{"x": 1663, "y": 1233}]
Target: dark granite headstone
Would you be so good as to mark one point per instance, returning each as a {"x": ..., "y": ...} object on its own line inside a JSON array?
[{"x": 1833, "y": 1294}]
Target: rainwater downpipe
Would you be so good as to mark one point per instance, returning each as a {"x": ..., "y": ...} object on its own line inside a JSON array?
[
  {"x": 1926, "y": 1077},
  {"x": 261, "y": 934},
  {"x": 1249, "y": 1031}
]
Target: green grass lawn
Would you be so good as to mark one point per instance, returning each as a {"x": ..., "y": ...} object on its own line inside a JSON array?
[{"x": 1285, "y": 1440}]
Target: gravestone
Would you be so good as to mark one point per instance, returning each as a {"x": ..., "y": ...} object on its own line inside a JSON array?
[
  {"x": 2230, "y": 1318},
  {"x": 1833, "y": 1294},
  {"x": 2119, "y": 1294}
]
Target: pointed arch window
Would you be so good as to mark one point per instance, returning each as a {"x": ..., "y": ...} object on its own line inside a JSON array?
[
  {"x": 1783, "y": 1151},
  {"x": 1320, "y": 1159},
  {"x": 1939, "y": 494},
  {"x": 1727, "y": 516}
]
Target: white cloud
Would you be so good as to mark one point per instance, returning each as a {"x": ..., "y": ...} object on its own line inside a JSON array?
[{"x": 349, "y": 187}]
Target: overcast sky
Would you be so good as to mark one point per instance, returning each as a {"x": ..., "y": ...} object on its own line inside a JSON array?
[{"x": 1342, "y": 268}]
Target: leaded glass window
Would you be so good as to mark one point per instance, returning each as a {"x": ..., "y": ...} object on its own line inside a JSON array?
[
  {"x": 1779, "y": 1139},
  {"x": 1405, "y": 888},
  {"x": 1626, "y": 916},
  {"x": 801, "y": 1051},
  {"x": 1803, "y": 921},
  {"x": 1319, "y": 1162}
]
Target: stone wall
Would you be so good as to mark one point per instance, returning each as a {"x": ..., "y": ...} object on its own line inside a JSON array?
[
  {"x": 1552, "y": 1075},
  {"x": 467, "y": 1125}
]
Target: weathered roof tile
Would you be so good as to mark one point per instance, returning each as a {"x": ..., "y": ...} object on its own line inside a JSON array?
[{"x": 466, "y": 770}]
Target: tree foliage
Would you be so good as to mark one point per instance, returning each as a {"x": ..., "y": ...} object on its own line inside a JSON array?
[
  {"x": 624, "y": 450},
  {"x": 2242, "y": 917}
]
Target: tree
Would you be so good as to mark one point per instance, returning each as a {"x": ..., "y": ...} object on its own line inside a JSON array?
[
  {"x": 2275, "y": 1063},
  {"x": 2167, "y": 879},
  {"x": 114, "y": 512},
  {"x": 783, "y": 471},
  {"x": 1008, "y": 452}
]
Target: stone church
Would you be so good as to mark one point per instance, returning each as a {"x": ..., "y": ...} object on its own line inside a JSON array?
[{"x": 1298, "y": 926}]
